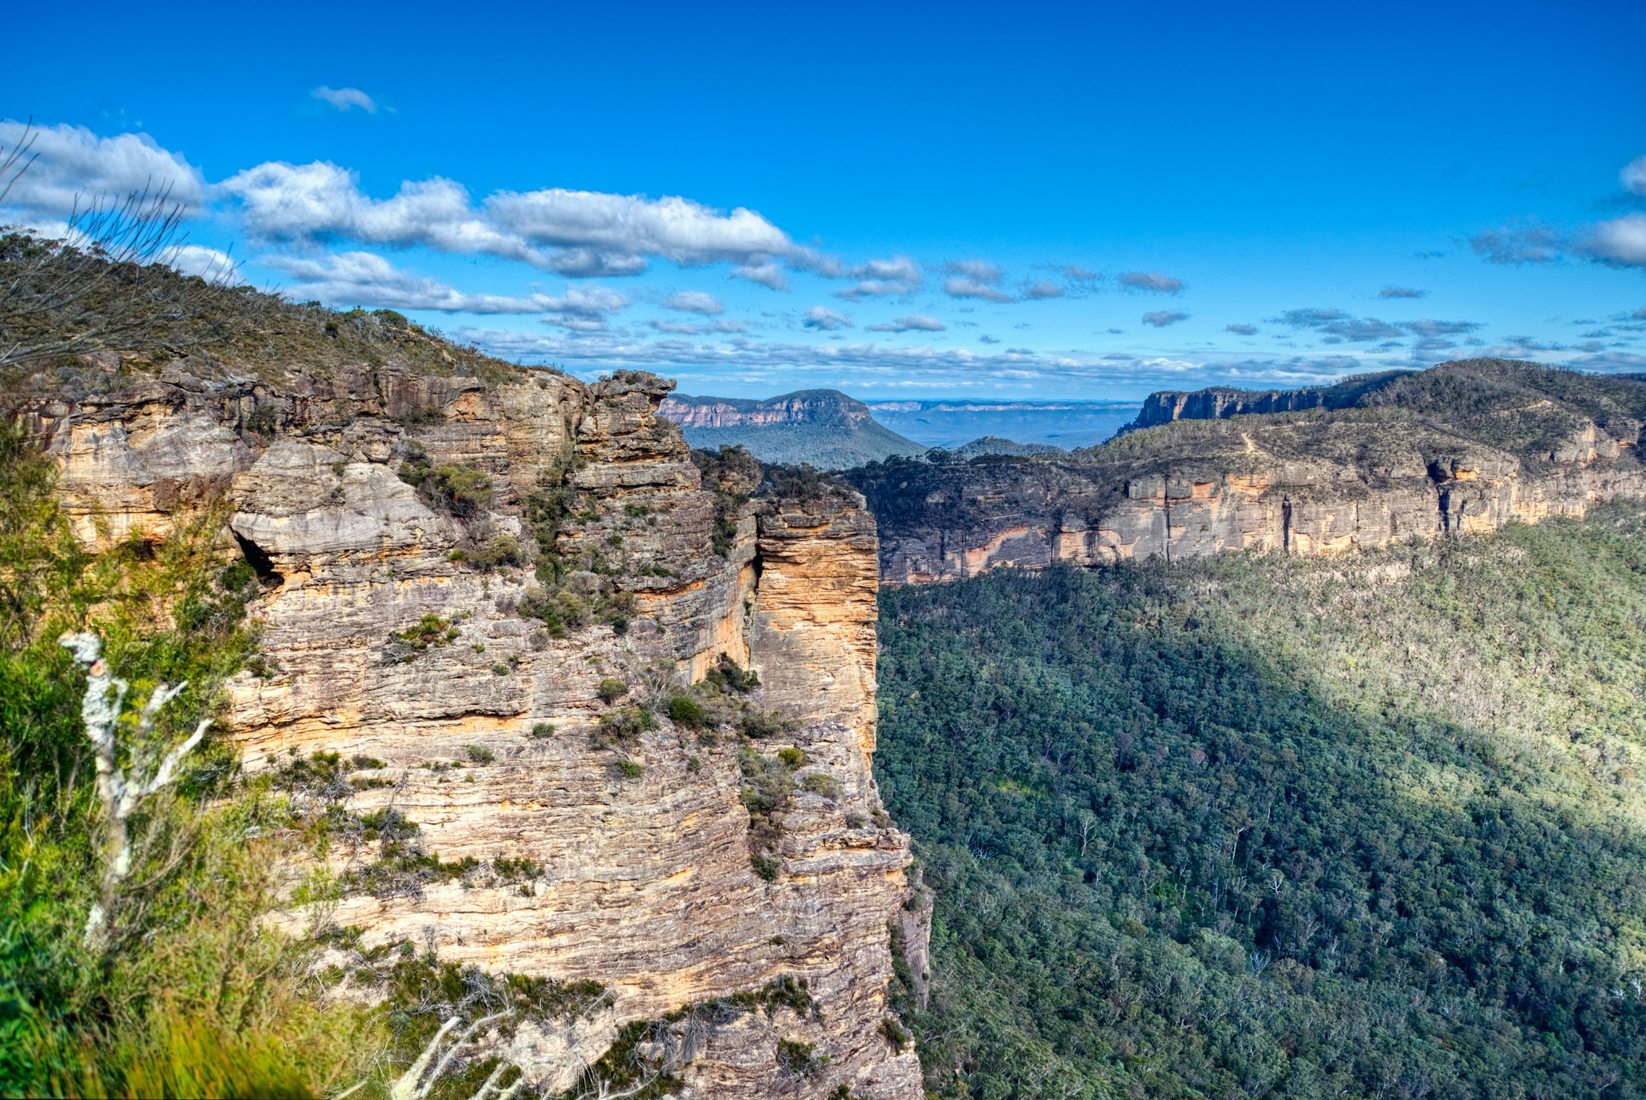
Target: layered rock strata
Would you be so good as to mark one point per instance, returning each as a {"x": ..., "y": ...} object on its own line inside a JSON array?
[{"x": 486, "y": 733}]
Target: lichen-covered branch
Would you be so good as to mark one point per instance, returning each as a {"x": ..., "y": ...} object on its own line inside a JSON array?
[{"x": 120, "y": 792}]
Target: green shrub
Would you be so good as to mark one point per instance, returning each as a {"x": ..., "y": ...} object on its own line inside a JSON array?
[
  {"x": 460, "y": 490},
  {"x": 623, "y": 726},
  {"x": 500, "y": 550},
  {"x": 429, "y": 631},
  {"x": 542, "y": 730},
  {"x": 559, "y": 611},
  {"x": 480, "y": 754},
  {"x": 630, "y": 769},
  {"x": 760, "y": 724},
  {"x": 729, "y": 676},
  {"x": 516, "y": 869},
  {"x": 685, "y": 711},
  {"x": 820, "y": 783},
  {"x": 799, "y": 1059},
  {"x": 611, "y": 690}
]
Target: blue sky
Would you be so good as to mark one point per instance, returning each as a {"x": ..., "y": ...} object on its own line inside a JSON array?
[{"x": 1012, "y": 201}]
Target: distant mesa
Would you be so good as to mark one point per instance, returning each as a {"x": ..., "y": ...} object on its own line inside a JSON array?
[
  {"x": 823, "y": 428},
  {"x": 995, "y": 445}
]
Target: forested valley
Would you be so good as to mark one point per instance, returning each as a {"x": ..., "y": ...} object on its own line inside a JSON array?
[{"x": 1263, "y": 826}]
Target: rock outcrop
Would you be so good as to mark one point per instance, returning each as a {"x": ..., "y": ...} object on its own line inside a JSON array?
[
  {"x": 451, "y": 568},
  {"x": 1420, "y": 457}
]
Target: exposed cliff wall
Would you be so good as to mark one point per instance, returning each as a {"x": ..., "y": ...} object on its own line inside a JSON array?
[
  {"x": 1311, "y": 483},
  {"x": 639, "y": 842}
]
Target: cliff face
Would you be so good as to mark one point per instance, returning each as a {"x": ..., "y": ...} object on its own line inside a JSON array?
[
  {"x": 1312, "y": 483},
  {"x": 641, "y": 849}
]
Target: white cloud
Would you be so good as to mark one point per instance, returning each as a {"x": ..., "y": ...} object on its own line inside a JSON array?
[
  {"x": 962, "y": 287},
  {"x": 980, "y": 270},
  {"x": 694, "y": 301},
  {"x": 1633, "y": 176},
  {"x": 1160, "y": 318},
  {"x": 1039, "y": 292},
  {"x": 915, "y": 322},
  {"x": 73, "y": 168},
  {"x": 320, "y": 201},
  {"x": 1621, "y": 241},
  {"x": 672, "y": 227},
  {"x": 1517, "y": 243},
  {"x": 883, "y": 278},
  {"x": 764, "y": 272},
  {"x": 698, "y": 328},
  {"x": 574, "y": 233},
  {"x": 1151, "y": 281},
  {"x": 345, "y": 98},
  {"x": 826, "y": 320},
  {"x": 366, "y": 279}
]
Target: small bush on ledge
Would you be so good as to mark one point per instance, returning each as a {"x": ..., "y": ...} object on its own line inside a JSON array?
[{"x": 407, "y": 645}]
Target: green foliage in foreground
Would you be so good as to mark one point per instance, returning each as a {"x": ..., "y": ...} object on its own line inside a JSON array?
[
  {"x": 1270, "y": 827},
  {"x": 195, "y": 996}
]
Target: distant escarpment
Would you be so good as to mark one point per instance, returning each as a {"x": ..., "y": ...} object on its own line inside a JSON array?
[
  {"x": 1219, "y": 402},
  {"x": 603, "y": 716},
  {"x": 1462, "y": 447},
  {"x": 823, "y": 428}
]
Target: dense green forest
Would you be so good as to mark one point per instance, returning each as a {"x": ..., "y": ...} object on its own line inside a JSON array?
[{"x": 1257, "y": 826}]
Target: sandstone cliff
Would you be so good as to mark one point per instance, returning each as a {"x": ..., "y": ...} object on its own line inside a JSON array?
[
  {"x": 451, "y": 567},
  {"x": 1462, "y": 448}
]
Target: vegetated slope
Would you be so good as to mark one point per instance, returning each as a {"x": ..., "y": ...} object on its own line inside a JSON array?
[
  {"x": 153, "y": 316},
  {"x": 1263, "y": 826},
  {"x": 822, "y": 428}
]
